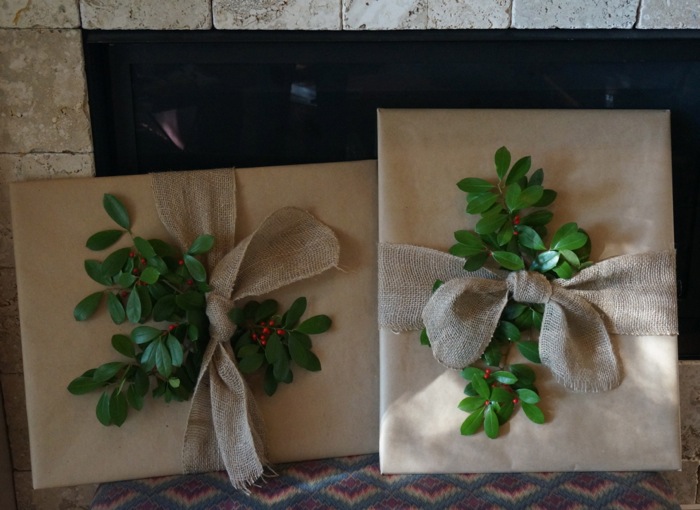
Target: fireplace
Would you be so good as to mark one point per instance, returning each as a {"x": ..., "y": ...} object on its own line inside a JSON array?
[{"x": 193, "y": 100}]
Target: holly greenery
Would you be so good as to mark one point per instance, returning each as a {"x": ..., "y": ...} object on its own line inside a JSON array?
[
  {"x": 510, "y": 235},
  {"x": 267, "y": 341},
  {"x": 149, "y": 281}
]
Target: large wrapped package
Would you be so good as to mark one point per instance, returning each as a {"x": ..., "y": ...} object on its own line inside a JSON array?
[
  {"x": 612, "y": 173},
  {"x": 315, "y": 416}
]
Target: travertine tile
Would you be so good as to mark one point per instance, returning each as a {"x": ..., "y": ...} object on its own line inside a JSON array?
[
  {"x": 449, "y": 14},
  {"x": 669, "y": 14},
  {"x": 146, "y": 14},
  {"x": 16, "y": 415},
  {"x": 385, "y": 14},
  {"x": 39, "y": 14},
  {"x": 689, "y": 375},
  {"x": 64, "y": 498},
  {"x": 7, "y": 490},
  {"x": 10, "y": 343},
  {"x": 43, "y": 101},
  {"x": 574, "y": 13},
  {"x": 684, "y": 483},
  {"x": 274, "y": 15}
]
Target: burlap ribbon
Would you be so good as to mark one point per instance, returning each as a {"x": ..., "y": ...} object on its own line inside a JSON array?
[
  {"x": 626, "y": 295},
  {"x": 225, "y": 429}
]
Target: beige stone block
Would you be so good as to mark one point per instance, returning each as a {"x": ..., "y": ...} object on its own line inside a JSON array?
[
  {"x": 273, "y": 15},
  {"x": 65, "y": 498},
  {"x": 10, "y": 341},
  {"x": 574, "y": 13},
  {"x": 146, "y": 14},
  {"x": 451, "y": 14},
  {"x": 43, "y": 100},
  {"x": 16, "y": 415},
  {"x": 685, "y": 482},
  {"x": 22, "y": 167},
  {"x": 385, "y": 14},
  {"x": 669, "y": 14},
  {"x": 39, "y": 14}
]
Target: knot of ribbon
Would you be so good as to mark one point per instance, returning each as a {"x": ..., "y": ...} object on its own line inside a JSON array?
[
  {"x": 627, "y": 295},
  {"x": 225, "y": 429}
]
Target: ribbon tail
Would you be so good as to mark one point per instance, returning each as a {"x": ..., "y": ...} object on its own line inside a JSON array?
[
  {"x": 461, "y": 317},
  {"x": 575, "y": 345},
  {"x": 222, "y": 430}
]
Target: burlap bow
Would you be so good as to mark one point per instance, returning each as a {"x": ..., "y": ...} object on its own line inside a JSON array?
[
  {"x": 627, "y": 295},
  {"x": 225, "y": 429}
]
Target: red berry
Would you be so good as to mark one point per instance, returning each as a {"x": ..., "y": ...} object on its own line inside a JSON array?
[
  {"x": 262, "y": 323},
  {"x": 280, "y": 332},
  {"x": 143, "y": 261},
  {"x": 263, "y": 342},
  {"x": 486, "y": 403},
  {"x": 180, "y": 262},
  {"x": 124, "y": 293},
  {"x": 135, "y": 271},
  {"x": 515, "y": 401},
  {"x": 132, "y": 254},
  {"x": 266, "y": 331},
  {"x": 254, "y": 336},
  {"x": 516, "y": 220},
  {"x": 190, "y": 282},
  {"x": 271, "y": 323},
  {"x": 515, "y": 232},
  {"x": 171, "y": 327}
]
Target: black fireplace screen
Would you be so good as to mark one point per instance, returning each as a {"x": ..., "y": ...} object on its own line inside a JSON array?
[{"x": 194, "y": 100}]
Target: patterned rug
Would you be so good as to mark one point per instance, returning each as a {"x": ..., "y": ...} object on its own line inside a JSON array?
[{"x": 355, "y": 482}]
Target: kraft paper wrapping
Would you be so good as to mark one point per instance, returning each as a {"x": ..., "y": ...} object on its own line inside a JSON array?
[
  {"x": 612, "y": 172},
  {"x": 314, "y": 417}
]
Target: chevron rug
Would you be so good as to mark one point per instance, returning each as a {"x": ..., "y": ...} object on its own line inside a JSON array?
[{"x": 355, "y": 482}]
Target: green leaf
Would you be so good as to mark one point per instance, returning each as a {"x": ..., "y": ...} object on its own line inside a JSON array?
[
  {"x": 102, "y": 410},
  {"x": 481, "y": 386},
  {"x": 141, "y": 381},
  {"x": 474, "y": 185},
  {"x": 564, "y": 270},
  {"x": 529, "y": 197},
  {"x": 471, "y": 404},
  {"x": 470, "y": 372},
  {"x": 505, "y": 377},
  {"x": 82, "y": 385},
  {"x": 424, "y": 340},
  {"x": 548, "y": 196},
  {"x": 533, "y": 412},
  {"x": 537, "y": 218},
  {"x": 530, "y": 350},
  {"x": 437, "y": 284},
  {"x": 537, "y": 177},
  {"x": 134, "y": 398},
  {"x": 508, "y": 260},
  {"x": 144, "y": 248},
  {"x": 469, "y": 239},
  {"x": 266, "y": 310},
  {"x": 303, "y": 356},
  {"x": 248, "y": 350},
  {"x": 133, "y": 307},
  {"x": 106, "y": 371},
  {"x": 125, "y": 280},
  {"x": 175, "y": 348},
  {"x": 116, "y": 309},
  {"x": 195, "y": 268},
  {"x": 519, "y": 170},
  {"x": 146, "y": 303},
  {"x": 87, "y": 306},
  {"x": 502, "y": 161},
  {"x": 116, "y": 211},
  {"x": 491, "y": 423},
  {"x": 274, "y": 349},
  {"x": 572, "y": 241},
  {"x": 291, "y": 318},
  {"x": 505, "y": 412},
  {"x": 115, "y": 261},
  {"x": 512, "y": 310},
  {"x": 164, "y": 308},
  {"x": 163, "y": 249},
  {"x": 280, "y": 369},
  {"x": 476, "y": 262},
  {"x": 525, "y": 374},
  {"x": 163, "y": 359},
  {"x": 143, "y": 334},
  {"x": 492, "y": 354},
  {"x": 104, "y": 239},
  {"x": 481, "y": 202},
  {"x": 236, "y": 316},
  {"x": 202, "y": 244},
  {"x": 507, "y": 331},
  {"x": 93, "y": 268},
  {"x": 473, "y": 423},
  {"x": 250, "y": 364},
  {"x": 490, "y": 224},
  {"x": 527, "y": 395},
  {"x": 148, "y": 356},
  {"x": 545, "y": 261},
  {"x": 512, "y": 197},
  {"x": 530, "y": 239},
  {"x": 563, "y": 231},
  {"x": 571, "y": 258},
  {"x": 461, "y": 250},
  {"x": 158, "y": 264},
  {"x": 123, "y": 345},
  {"x": 150, "y": 275},
  {"x": 118, "y": 408},
  {"x": 191, "y": 300},
  {"x": 174, "y": 382},
  {"x": 315, "y": 325},
  {"x": 270, "y": 384},
  {"x": 501, "y": 395},
  {"x": 505, "y": 234}
]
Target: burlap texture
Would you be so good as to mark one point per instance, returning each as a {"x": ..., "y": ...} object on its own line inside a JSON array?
[
  {"x": 225, "y": 429},
  {"x": 629, "y": 295}
]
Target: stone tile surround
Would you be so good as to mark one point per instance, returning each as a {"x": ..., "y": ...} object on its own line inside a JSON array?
[{"x": 44, "y": 128}]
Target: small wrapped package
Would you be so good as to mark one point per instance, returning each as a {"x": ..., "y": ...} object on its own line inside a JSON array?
[
  {"x": 315, "y": 416},
  {"x": 612, "y": 173}
]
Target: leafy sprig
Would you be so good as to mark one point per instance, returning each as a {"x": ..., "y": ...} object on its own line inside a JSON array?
[
  {"x": 265, "y": 340},
  {"x": 510, "y": 235},
  {"x": 148, "y": 281}
]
